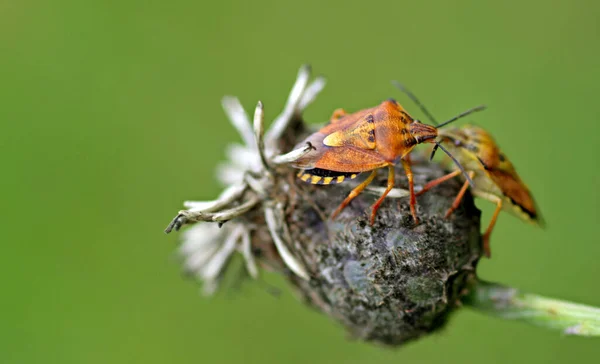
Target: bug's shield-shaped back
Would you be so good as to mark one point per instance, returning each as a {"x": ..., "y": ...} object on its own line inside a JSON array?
[
  {"x": 344, "y": 158},
  {"x": 347, "y": 145},
  {"x": 360, "y": 134}
]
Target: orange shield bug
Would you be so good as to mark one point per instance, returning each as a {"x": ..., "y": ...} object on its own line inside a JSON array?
[
  {"x": 495, "y": 178},
  {"x": 363, "y": 141}
]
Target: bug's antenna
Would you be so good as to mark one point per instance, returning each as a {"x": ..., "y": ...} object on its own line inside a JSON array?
[
  {"x": 414, "y": 99},
  {"x": 455, "y": 162},
  {"x": 435, "y": 148},
  {"x": 461, "y": 115}
]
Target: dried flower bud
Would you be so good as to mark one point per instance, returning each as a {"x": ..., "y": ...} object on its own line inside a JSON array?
[{"x": 387, "y": 283}]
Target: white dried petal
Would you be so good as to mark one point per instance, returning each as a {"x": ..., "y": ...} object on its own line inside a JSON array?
[
  {"x": 229, "y": 174},
  {"x": 198, "y": 236},
  {"x": 282, "y": 121},
  {"x": 311, "y": 92},
  {"x": 197, "y": 260},
  {"x": 246, "y": 250},
  {"x": 210, "y": 287},
  {"x": 239, "y": 118},
  {"x": 243, "y": 157},
  {"x": 213, "y": 268},
  {"x": 274, "y": 224}
]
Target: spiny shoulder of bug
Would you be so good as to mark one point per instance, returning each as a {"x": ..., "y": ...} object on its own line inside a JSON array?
[{"x": 392, "y": 114}]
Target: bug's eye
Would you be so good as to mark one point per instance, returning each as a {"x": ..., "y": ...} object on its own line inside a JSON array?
[{"x": 473, "y": 148}]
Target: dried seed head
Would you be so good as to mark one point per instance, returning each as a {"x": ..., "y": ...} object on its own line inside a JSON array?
[{"x": 387, "y": 283}]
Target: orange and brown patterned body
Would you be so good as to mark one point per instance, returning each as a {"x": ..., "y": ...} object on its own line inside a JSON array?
[
  {"x": 495, "y": 177},
  {"x": 363, "y": 141}
]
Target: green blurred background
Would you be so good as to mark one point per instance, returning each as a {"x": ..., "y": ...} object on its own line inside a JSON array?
[{"x": 110, "y": 117}]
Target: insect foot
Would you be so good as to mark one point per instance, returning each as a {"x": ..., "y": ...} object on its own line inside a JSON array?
[{"x": 383, "y": 278}]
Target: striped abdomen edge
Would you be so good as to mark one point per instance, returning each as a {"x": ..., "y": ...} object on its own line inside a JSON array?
[{"x": 318, "y": 176}]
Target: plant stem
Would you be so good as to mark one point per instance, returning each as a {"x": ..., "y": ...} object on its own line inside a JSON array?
[{"x": 512, "y": 304}]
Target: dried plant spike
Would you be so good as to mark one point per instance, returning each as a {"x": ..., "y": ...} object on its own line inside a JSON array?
[
  {"x": 292, "y": 105},
  {"x": 246, "y": 249},
  {"x": 188, "y": 216},
  {"x": 259, "y": 133},
  {"x": 274, "y": 223},
  {"x": 294, "y": 155},
  {"x": 311, "y": 92}
]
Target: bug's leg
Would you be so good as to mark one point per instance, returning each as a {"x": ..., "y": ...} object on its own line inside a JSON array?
[
  {"x": 488, "y": 231},
  {"x": 459, "y": 197},
  {"x": 457, "y": 200},
  {"x": 431, "y": 184},
  {"x": 355, "y": 192},
  {"x": 390, "y": 185},
  {"x": 337, "y": 114},
  {"x": 411, "y": 188},
  {"x": 486, "y": 236}
]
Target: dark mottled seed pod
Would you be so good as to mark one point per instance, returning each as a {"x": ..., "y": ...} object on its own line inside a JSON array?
[{"x": 391, "y": 282}]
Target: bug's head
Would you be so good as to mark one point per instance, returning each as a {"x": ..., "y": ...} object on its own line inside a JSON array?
[
  {"x": 453, "y": 137},
  {"x": 470, "y": 141},
  {"x": 423, "y": 133}
]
